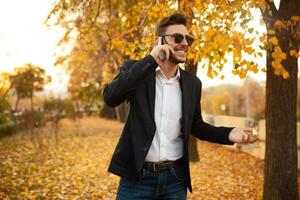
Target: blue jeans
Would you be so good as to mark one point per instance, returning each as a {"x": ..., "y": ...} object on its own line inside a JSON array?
[{"x": 156, "y": 185}]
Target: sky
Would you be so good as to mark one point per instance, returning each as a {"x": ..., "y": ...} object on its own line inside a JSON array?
[{"x": 25, "y": 39}]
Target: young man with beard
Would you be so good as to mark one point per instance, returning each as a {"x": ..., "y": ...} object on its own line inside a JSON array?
[{"x": 151, "y": 156}]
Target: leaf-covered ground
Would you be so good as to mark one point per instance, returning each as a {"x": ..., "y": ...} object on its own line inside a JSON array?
[{"x": 77, "y": 167}]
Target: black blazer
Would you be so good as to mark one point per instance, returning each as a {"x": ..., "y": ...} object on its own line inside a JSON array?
[{"x": 136, "y": 83}]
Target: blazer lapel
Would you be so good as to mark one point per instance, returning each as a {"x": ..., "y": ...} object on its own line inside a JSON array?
[
  {"x": 186, "y": 91},
  {"x": 150, "y": 82}
]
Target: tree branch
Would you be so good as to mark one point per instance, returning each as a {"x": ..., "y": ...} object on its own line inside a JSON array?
[{"x": 95, "y": 18}]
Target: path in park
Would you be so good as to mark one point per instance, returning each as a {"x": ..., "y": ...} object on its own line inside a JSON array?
[{"x": 77, "y": 167}]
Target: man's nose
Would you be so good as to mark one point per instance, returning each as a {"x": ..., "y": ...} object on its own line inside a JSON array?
[{"x": 184, "y": 42}]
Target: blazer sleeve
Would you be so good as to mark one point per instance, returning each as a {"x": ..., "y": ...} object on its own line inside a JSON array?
[
  {"x": 129, "y": 77},
  {"x": 205, "y": 131}
]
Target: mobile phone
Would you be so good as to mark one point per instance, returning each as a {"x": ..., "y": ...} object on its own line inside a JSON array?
[{"x": 162, "y": 54}]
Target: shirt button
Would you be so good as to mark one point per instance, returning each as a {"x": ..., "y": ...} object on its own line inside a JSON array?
[{"x": 145, "y": 148}]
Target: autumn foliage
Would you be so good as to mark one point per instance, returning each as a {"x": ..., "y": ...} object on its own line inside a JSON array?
[
  {"x": 222, "y": 29},
  {"x": 77, "y": 167}
]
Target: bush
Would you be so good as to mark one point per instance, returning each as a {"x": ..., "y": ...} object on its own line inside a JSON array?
[
  {"x": 62, "y": 107},
  {"x": 4, "y": 111},
  {"x": 7, "y": 129},
  {"x": 4, "y": 104},
  {"x": 4, "y": 117}
]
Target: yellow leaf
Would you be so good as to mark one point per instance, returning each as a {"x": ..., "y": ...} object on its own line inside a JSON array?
[
  {"x": 293, "y": 52},
  {"x": 262, "y": 4},
  {"x": 252, "y": 3},
  {"x": 209, "y": 33},
  {"x": 277, "y": 72},
  {"x": 283, "y": 56},
  {"x": 271, "y": 32},
  {"x": 242, "y": 75},
  {"x": 191, "y": 56},
  {"x": 249, "y": 50},
  {"x": 249, "y": 42},
  {"x": 262, "y": 38},
  {"x": 273, "y": 40},
  {"x": 295, "y": 18},
  {"x": 264, "y": 69},
  {"x": 209, "y": 74},
  {"x": 260, "y": 54},
  {"x": 285, "y": 75},
  {"x": 234, "y": 72},
  {"x": 215, "y": 73},
  {"x": 279, "y": 24},
  {"x": 276, "y": 65},
  {"x": 270, "y": 12},
  {"x": 255, "y": 69}
]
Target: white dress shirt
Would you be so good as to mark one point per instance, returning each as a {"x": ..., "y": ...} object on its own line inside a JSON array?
[{"x": 167, "y": 143}]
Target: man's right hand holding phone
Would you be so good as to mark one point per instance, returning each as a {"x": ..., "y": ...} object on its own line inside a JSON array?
[{"x": 161, "y": 48}]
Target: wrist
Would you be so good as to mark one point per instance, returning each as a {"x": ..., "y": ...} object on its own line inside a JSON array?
[{"x": 231, "y": 135}]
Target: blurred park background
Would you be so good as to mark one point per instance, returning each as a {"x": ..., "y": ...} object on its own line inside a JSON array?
[{"x": 57, "y": 135}]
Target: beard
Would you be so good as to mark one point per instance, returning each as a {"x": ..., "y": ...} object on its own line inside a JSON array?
[
  {"x": 174, "y": 60},
  {"x": 173, "y": 57}
]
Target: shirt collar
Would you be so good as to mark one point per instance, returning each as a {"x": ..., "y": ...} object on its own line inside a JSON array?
[{"x": 177, "y": 76}]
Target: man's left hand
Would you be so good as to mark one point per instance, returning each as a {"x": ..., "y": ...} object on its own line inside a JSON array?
[{"x": 242, "y": 135}]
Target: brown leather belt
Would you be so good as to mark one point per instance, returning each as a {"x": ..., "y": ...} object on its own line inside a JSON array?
[{"x": 164, "y": 165}]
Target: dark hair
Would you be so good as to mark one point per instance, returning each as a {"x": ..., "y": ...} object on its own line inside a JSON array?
[{"x": 175, "y": 18}]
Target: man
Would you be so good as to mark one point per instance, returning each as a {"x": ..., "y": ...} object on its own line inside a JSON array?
[{"x": 151, "y": 156}]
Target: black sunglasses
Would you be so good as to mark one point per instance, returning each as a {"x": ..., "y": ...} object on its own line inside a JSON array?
[{"x": 179, "y": 38}]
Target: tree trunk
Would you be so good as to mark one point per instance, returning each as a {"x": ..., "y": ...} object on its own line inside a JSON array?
[
  {"x": 17, "y": 104},
  {"x": 280, "y": 172},
  {"x": 31, "y": 103}
]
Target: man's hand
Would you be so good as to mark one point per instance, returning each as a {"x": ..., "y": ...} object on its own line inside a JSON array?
[
  {"x": 242, "y": 135},
  {"x": 161, "y": 47}
]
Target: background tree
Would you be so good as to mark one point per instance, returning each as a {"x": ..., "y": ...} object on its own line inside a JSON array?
[
  {"x": 5, "y": 85},
  {"x": 93, "y": 59},
  {"x": 7, "y": 126},
  {"x": 26, "y": 80}
]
